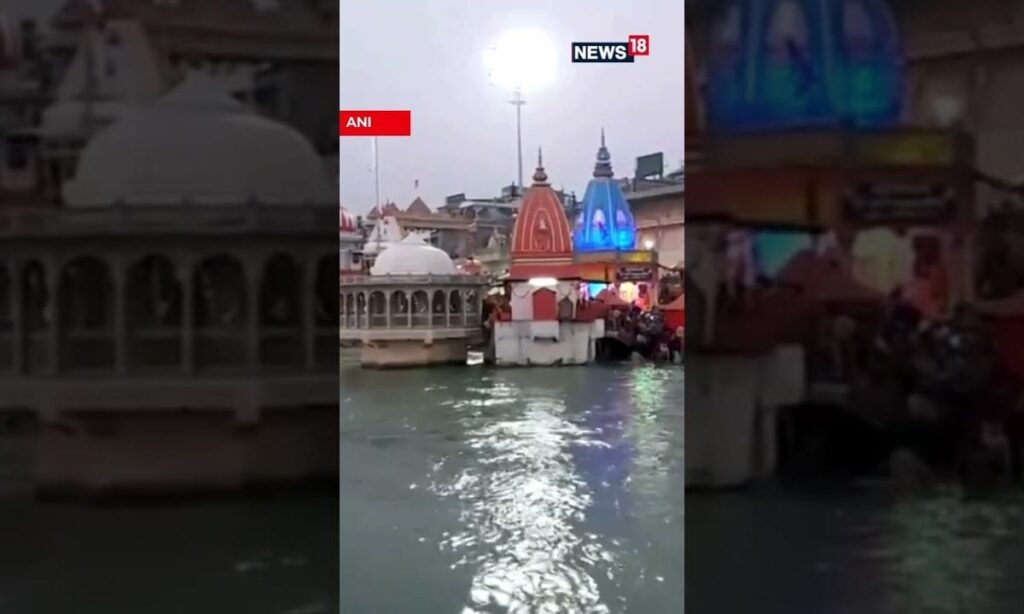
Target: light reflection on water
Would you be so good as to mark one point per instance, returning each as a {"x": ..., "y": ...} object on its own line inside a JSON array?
[
  {"x": 524, "y": 501},
  {"x": 551, "y": 511}
]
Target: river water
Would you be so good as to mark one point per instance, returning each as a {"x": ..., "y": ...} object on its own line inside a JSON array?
[
  {"x": 529, "y": 490},
  {"x": 854, "y": 550},
  {"x": 536, "y": 490}
]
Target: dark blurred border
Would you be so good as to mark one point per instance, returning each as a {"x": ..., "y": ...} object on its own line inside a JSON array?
[{"x": 169, "y": 380}]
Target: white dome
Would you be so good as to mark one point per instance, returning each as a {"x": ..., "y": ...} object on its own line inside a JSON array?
[
  {"x": 413, "y": 256},
  {"x": 198, "y": 145}
]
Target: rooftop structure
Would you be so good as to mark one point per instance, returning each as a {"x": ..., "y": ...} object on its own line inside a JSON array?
[
  {"x": 413, "y": 309},
  {"x": 190, "y": 259},
  {"x": 605, "y": 221},
  {"x": 230, "y": 155},
  {"x": 541, "y": 238},
  {"x": 545, "y": 325}
]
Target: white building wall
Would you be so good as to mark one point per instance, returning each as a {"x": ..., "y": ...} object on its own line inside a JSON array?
[
  {"x": 520, "y": 343},
  {"x": 522, "y": 297}
]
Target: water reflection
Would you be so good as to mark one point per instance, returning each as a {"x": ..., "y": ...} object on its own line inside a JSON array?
[
  {"x": 522, "y": 504},
  {"x": 942, "y": 555},
  {"x": 655, "y": 401}
]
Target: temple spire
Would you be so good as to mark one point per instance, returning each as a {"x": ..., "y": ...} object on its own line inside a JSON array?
[
  {"x": 603, "y": 166},
  {"x": 540, "y": 177}
]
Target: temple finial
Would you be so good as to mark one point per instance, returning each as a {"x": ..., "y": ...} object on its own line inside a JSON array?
[
  {"x": 540, "y": 177},
  {"x": 603, "y": 166}
]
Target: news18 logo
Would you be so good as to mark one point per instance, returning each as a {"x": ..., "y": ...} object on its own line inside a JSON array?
[{"x": 636, "y": 44}]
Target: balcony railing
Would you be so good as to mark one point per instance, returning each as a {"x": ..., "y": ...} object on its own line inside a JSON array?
[{"x": 163, "y": 218}]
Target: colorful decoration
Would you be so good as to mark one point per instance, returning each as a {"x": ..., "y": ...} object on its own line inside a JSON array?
[{"x": 786, "y": 63}]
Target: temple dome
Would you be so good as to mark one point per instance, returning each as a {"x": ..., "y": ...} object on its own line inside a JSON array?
[
  {"x": 787, "y": 63},
  {"x": 605, "y": 221},
  {"x": 198, "y": 145},
  {"x": 541, "y": 230},
  {"x": 413, "y": 256}
]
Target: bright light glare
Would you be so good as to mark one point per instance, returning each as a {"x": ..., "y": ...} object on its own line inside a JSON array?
[
  {"x": 543, "y": 282},
  {"x": 649, "y": 244},
  {"x": 521, "y": 59}
]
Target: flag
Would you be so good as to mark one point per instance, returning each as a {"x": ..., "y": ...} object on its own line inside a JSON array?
[{"x": 416, "y": 184}]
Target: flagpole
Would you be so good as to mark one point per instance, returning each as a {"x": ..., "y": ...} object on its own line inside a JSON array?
[
  {"x": 376, "y": 171},
  {"x": 380, "y": 207}
]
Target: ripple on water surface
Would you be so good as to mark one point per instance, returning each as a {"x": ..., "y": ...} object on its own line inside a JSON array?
[{"x": 559, "y": 489}]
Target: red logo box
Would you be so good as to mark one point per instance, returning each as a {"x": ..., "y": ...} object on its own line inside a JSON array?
[
  {"x": 639, "y": 44},
  {"x": 374, "y": 123}
]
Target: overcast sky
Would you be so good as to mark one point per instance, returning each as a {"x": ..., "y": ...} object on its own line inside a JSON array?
[{"x": 428, "y": 57}]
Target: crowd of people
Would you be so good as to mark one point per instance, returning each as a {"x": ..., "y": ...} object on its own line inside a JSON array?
[
  {"x": 646, "y": 334},
  {"x": 643, "y": 334},
  {"x": 937, "y": 383}
]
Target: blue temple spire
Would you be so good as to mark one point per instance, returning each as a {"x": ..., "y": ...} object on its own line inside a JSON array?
[{"x": 605, "y": 222}]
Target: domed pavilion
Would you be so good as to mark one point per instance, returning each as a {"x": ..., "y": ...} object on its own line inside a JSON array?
[
  {"x": 413, "y": 309},
  {"x": 190, "y": 258}
]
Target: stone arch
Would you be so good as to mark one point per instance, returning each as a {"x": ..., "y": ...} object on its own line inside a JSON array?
[
  {"x": 439, "y": 309},
  {"x": 86, "y": 295},
  {"x": 327, "y": 309},
  {"x": 377, "y": 307},
  {"x": 36, "y": 314},
  {"x": 154, "y": 300},
  {"x": 351, "y": 319},
  {"x": 86, "y": 298},
  {"x": 220, "y": 312},
  {"x": 220, "y": 292},
  {"x": 455, "y": 308},
  {"x": 153, "y": 294},
  {"x": 398, "y": 304},
  {"x": 280, "y": 311},
  {"x": 420, "y": 308},
  {"x": 565, "y": 309},
  {"x": 473, "y": 307},
  {"x": 361, "y": 319},
  {"x": 280, "y": 293}
]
